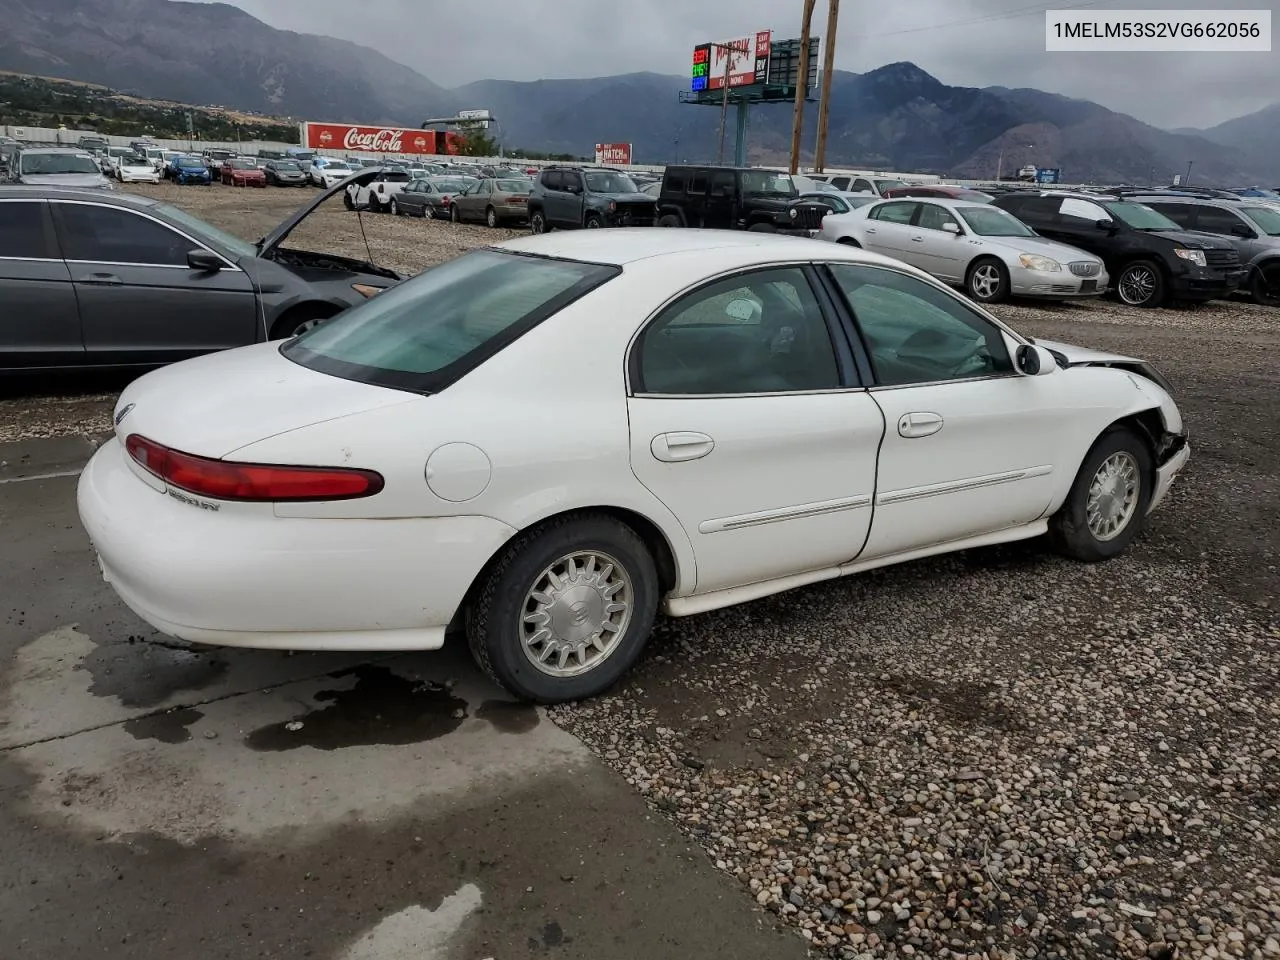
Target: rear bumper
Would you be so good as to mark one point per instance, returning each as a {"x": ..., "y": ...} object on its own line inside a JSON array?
[{"x": 239, "y": 575}]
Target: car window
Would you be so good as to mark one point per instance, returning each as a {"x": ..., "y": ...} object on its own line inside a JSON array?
[
  {"x": 1213, "y": 220},
  {"x": 112, "y": 235},
  {"x": 722, "y": 183},
  {"x": 916, "y": 333},
  {"x": 840, "y": 183},
  {"x": 1183, "y": 214},
  {"x": 1040, "y": 208},
  {"x": 1085, "y": 211},
  {"x": 899, "y": 211},
  {"x": 934, "y": 217},
  {"x": 572, "y": 180},
  {"x": 674, "y": 180},
  {"x": 762, "y": 332},
  {"x": 24, "y": 232},
  {"x": 698, "y": 182},
  {"x": 426, "y": 332}
]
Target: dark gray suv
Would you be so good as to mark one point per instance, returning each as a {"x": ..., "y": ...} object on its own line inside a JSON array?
[
  {"x": 570, "y": 197},
  {"x": 94, "y": 279},
  {"x": 1251, "y": 226}
]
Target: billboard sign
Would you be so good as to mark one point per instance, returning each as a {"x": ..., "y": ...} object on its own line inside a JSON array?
[
  {"x": 1048, "y": 174},
  {"x": 347, "y": 136},
  {"x": 744, "y": 61},
  {"x": 613, "y": 154},
  {"x": 482, "y": 117}
]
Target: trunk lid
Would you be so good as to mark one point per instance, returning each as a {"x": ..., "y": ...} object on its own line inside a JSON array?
[{"x": 214, "y": 405}]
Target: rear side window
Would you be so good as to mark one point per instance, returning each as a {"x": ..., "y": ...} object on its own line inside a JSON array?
[
  {"x": 899, "y": 211},
  {"x": 25, "y": 232},
  {"x": 427, "y": 332},
  {"x": 698, "y": 182},
  {"x": 674, "y": 181},
  {"x": 101, "y": 234}
]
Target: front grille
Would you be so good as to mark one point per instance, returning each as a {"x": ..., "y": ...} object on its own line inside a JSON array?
[
  {"x": 1085, "y": 268},
  {"x": 1222, "y": 259},
  {"x": 809, "y": 218},
  {"x": 1063, "y": 288}
]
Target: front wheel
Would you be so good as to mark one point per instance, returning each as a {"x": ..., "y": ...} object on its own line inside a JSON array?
[
  {"x": 394, "y": 208},
  {"x": 565, "y": 610},
  {"x": 1107, "y": 505},
  {"x": 849, "y": 242},
  {"x": 592, "y": 222},
  {"x": 1264, "y": 286},
  {"x": 454, "y": 216},
  {"x": 347, "y": 201},
  {"x": 988, "y": 281},
  {"x": 668, "y": 220},
  {"x": 1141, "y": 284}
]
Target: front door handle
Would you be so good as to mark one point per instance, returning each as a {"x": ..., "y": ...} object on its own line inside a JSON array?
[
  {"x": 871, "y": 229},
  {"x": 109, "y": 279},
  {"x": 924, "y": 424},
  {"x": 675, "y": 447}
]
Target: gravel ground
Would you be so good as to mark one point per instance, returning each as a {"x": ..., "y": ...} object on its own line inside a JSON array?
[{"x": 993, "y": 754}]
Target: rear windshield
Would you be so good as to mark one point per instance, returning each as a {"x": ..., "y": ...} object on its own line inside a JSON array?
[{"x": 427, "y": 332}]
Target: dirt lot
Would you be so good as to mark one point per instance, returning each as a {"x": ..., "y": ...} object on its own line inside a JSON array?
[{"x": 992, "y": 754}]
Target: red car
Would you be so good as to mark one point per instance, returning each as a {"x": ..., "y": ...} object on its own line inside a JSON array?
[
  {"x": 240, "y": 172},
  {"x": 944, "y": 191}
]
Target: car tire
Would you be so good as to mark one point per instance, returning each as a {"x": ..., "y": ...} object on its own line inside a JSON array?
[
  {"x": 1091, "y": 525},
  {"x": 491, "y": 218},
  {"x": 299, "y": 319},
  {"x": 1262, "y": 292},
  {"x": 987, "y": 281},
  {"x": 429, "y": 211},
  {"x": 668, "y": 220},
  {"x": 347, "y": 201},
  {"x": 1141, "y": 284},
  {"x": 762, "y": 228},
  {"x": 849, "y": 242},
  {"x": 375, "y": 205},
  {"x": 453, "y": 214},
  {"x": 393, "y": 208},
  {"x": 538, "y": 222},
  {"x": 593, "y": 221},
  {"x": 502, "y": 618}
]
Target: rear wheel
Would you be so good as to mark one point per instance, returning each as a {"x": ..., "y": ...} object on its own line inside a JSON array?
[
  {"x": 347, "y": 201},
  {"x": 565, "y": 609},
  {"x": 849, "y": 242},
  {"x": 1264, "y": 286},
  {"x": 428, "y": 211},
  {"x": 1141, "y": 284},
  {"x": 491, "y": 217},
  {"x": 454, "y": 216},
  {"x": 988, "y": 281},
  {"x": 668, "y": 220},
  {"x": 375, "y": 205},
  {"x": 1107, "y": 505},
  {"x": 537, "y": 222}
]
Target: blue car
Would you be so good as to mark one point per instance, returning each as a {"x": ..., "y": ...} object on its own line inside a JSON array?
[{"x": 189, "y": 170}]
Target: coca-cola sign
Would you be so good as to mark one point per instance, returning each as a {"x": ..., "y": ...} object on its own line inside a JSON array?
[{"x": 362, "y": 139}]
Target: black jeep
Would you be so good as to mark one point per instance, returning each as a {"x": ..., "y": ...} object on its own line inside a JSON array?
[
  {"x": 569, "y": 197},
  {"x": 734, "y": 198}
]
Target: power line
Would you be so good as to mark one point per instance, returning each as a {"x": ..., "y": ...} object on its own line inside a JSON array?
[{"x": 988, "y": 18}]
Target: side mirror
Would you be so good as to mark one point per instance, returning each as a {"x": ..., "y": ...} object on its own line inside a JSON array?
[
  {"x": 204, "y": 260},
  {"x": 1107, "y": 225},
  {"x": 1242, "y": 230},
  {"x": 952, "y": 228},
  {"x": 1034, "y": 361}
]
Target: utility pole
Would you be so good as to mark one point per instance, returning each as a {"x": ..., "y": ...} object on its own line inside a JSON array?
[
  {"x": 802, "y": 86},
  {"x": 1187, "y": 182},
  {"x": 824, "y": 105},
  {"x": 724, "y": 96}
]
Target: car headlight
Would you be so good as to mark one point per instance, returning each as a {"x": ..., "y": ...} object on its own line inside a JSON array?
[
  {"x": 1033, "y": 261},
  {"x": 1195, "y": 256}
]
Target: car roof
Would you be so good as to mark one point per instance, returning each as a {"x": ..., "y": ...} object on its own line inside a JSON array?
[
  {"x": 75, "y": 151},
  {"x": 41, "y": 192},
  {"x": 951, "y": 203},
  {"x": 621, "y": 246}
]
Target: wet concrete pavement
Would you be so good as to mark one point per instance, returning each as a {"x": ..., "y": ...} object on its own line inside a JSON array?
[{"x": 169, "y": 802}]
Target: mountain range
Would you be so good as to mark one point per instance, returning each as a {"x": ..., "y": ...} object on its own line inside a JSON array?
[{"x": 897, "y": 117}]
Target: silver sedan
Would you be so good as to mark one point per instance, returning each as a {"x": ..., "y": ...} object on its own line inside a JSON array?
[{"x": 988, "y": 251}]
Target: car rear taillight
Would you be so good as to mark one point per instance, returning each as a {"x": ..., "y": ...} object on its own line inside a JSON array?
[
  {"x": 260, "y": 482},
  {"x": 517, "y": 199},
  {"x": 446, "y": 200}
]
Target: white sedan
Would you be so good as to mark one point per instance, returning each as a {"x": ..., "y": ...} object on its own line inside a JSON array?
[
  {"x": 549, "y": 441},
  {"x": 986, "y": 250},
  {"x": 136, "y": 169}
]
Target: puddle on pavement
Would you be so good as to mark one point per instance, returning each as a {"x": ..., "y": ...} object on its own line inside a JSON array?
[
  {"x": 172, "y": 726},
  {"x": 143, "y": 674},
  {"x": 382, "y": 708},
  {"x": 508, "y": 716}
]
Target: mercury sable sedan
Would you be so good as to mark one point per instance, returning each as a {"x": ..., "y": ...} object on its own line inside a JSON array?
[
  {"x": 548, "y": 441},
  {"x": 989, "y": 252}
]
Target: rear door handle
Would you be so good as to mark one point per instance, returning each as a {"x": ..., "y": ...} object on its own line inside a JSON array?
[
  {"x": 683, "y": 445},
  {"x": 923, "y": 424},
  {"x": 917, "y": 239},
  {"x": 107, "y": 279}
]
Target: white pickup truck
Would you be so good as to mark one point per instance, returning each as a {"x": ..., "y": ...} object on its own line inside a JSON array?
[{"x": 377, "y": 193}]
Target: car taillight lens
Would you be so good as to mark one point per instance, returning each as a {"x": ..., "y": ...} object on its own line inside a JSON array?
[
  {"x": 260, "y": 482},
  {"x": 446, "y": 200},
  {"x": 517, "y": 199}
]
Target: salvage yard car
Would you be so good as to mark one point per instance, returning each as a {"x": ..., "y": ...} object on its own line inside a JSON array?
[
  {"x": 137, "y": 169},
  {"x": 493, "y": 202},
  {"x": 242, "y": 172},
  {"x": 725, "y": 198},
  {"x": 765, "y": 412},
  {"x": 565, "y": 198},
  {"x": 119, "y": 280},
  {"x": 991, "y": 253}
]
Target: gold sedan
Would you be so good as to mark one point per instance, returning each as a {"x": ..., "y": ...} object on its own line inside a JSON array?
[{"x": 494, "y": 201}]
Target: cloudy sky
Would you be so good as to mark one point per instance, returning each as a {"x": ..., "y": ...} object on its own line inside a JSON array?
[{"x": 964, "y": 42}]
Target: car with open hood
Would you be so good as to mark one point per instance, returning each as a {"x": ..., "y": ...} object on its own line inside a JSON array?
[
  {"x": 764, "y": 413},
  {"x": 119, "y": 280}
]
